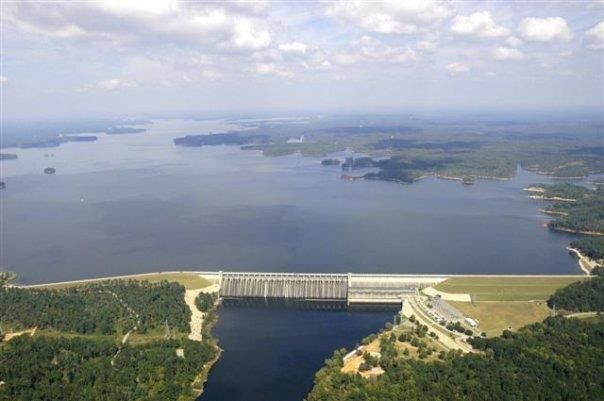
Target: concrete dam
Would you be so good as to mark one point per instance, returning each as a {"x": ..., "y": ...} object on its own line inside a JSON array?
[{"x": 350, "y": 288}]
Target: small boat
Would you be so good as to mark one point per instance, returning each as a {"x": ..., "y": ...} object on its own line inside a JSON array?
[
  {"x": 50, "y": 170},
  {"x": 468, "y": 181},
  {"x": 351, "y": 177}
]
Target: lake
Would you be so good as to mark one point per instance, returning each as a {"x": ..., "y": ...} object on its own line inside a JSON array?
[{"x": 138, "y": 203}]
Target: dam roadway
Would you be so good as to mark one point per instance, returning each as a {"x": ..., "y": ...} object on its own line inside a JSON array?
[{"x": 350, "y": 288}]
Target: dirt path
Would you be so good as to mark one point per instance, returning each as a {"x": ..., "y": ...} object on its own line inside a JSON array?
[
  {"x": 10, "y": 336},
  {"x": 196, "y": 315}
]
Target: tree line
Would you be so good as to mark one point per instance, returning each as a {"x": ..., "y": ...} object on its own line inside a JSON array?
[
  {"x": 88, "y": 369},
  {"x": 100, "y": 308}
]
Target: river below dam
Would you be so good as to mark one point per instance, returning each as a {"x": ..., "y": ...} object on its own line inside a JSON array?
[
  {"x": 137, "y": 203},
  {"x": 271, "y": 353}
]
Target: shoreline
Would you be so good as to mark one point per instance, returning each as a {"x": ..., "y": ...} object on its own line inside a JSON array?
[
  {"x": 551, "y": 198},
  {"x": 584, "y": 260},
  {"x": 572, "y": 231},
  {"x": 201, "y": 379},
  {"x": 478, "y": 177},
  {"x": 553, "y": 212}
]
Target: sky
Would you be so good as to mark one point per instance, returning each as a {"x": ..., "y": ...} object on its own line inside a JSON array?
[{"x": 145, "y": 57}]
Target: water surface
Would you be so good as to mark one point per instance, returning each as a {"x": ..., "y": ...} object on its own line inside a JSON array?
[
  {"x": 137, "y": 203},
  {"x": 273, "y": 353}
]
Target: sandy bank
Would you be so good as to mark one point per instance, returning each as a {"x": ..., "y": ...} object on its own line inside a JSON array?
[
  {"x": 570, "y": 230},
  {"x": 586, "y": 263},
  {"x": 552, "y": 198}
]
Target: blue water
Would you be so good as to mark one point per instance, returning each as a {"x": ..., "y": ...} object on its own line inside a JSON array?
[
  {"x": 272, "y": 354},
  {"x": 137, "y": 203}
]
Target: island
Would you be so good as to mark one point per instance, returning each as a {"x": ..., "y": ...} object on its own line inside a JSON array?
[
  {"x": 330, "y": 162},
  {"x": 79, "y": 138},
  {"x": 354, "y": 163},
  {"x": 217, "y": 139},
  {"x": 124, "y": 130},
  {"x": 53, "y": 133}
]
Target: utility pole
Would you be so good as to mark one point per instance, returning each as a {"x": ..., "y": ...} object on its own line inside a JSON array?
[{"x": 167, "y": 334}]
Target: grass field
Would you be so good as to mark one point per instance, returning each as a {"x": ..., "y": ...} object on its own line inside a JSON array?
[
  {"x": 494, "y": 317},
  {"x": 190, "y": 281},
  {"x": 506, "y": 288}
]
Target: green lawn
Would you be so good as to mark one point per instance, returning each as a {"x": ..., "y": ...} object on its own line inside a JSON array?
[
  {"x": 190, "y": 281},
  {"x": 494, "y": 317},
  {"x": 506, "y": 288}
]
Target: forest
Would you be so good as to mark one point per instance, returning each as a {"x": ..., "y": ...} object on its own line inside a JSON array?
[
  {"x": 592, "y": 247},
  {"x": 582, "y": 296},
  {"x": 91, "y": 369},
  {"x": 411, "y": 148},
  {"x": 96, "y": 308},
  {"x": 559, "y": 359},
  {"x": 79, "y": 351},
  {"x": 585, "y": 214}
]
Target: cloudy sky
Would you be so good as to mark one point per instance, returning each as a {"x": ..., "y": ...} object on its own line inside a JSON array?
[{"x": 119, "y": 57}]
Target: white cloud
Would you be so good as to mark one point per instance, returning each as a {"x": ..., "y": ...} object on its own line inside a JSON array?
[
  {"x": 507, "y": 53},
  {"x": 3, "y": 80},
  {"x": 478, "y": 25},
  {"x": 389, "y": 16},
  {"x": 513, "y": 41},
  {"x": 544, "y": 29},
  {"x": 271, "y": 69},
  {"x": 225, "y": 25},
  {"x": 115, "y": 83},
  {"x": 317, "y": 61},
  {"x": 248, "y": 36},
  {"x": 294, "y": 47},
  {"x": 426, "y": 46},
  {"x": 375, "y": 50},
  {"x": 594, "y": 38},
  {"x": 212, "y": 75},
  {"x": 344, "y": 58},
  {"x": 457, "y": 68}
]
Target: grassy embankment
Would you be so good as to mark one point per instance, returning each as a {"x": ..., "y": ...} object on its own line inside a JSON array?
[
  {"x": 499, "y": 303},
  {"x": 191, "y": 281}
]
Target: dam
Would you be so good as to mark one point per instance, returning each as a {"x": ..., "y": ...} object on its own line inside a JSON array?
[
  {"x": 348, "y": 288},
  {"x": 351, "y": 288}
]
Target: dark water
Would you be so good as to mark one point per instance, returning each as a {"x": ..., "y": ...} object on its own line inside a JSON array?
[
  {"x": 137, "y": 203},
  {"x": 272, "y": 353}
]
